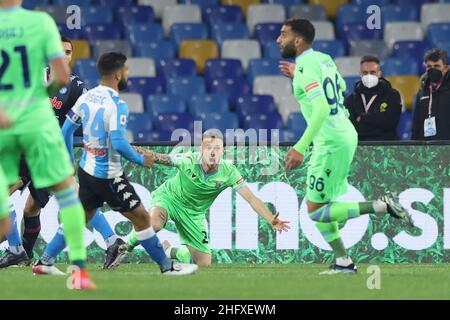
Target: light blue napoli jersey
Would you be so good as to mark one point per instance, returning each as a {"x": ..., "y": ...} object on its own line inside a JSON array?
[{"x": 101, "y": 112}]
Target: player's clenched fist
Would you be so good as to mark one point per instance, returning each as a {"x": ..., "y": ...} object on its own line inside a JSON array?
[
  {"x": 293, "y": 159},
  {"x": 149, "y": 159}
]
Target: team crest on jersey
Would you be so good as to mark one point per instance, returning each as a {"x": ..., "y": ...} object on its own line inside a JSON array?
[{"x": 63, "y": 90}]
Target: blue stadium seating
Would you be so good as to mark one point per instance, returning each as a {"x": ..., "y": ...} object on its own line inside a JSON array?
[
  {"x": 172, "y": 68},
  {"x": 267, "y": 32},
  {"x": 335, "y": 48},
  {"x": 296, "y": 121},
  {"x": 396, "y": 13},
  {"x": 366, "y": 3},
  {"x": 206, "y": 103},
  {"x": 404, "y": 127},
  {"x": 96, "y": 14},
  {"x": 165, "y": 103},
  {"x": 134, "y": 15},
  {"x": 253, "y": 104},
  {"x": 86, "y": 69},
  {"x": 116, "y": 3},
  {"x": 139, "y": 122},
  {"x": 350, "y": 14},
  {"x": 144, "y": 33},
  {"x": 232, "y": 88},
  {"x": 173, "y": 121},
  {"x": 399, "y": 66},
  {"x": 156, "y": 50},
  {"x": 186, "y": 86},
  {"x": 262, "y": 67},
  {"x": 221, "y": 121},
  {"x": 350, "y": 82},
  {"x": 415, "y": 49},
  {"x": 444, "y": 45},
  {"x": 70, "y": 33},
  {"x": 359, "y": 31},
  {"x": 145, "y": 86},
  {"x": 222, "y": 14},
  {"x": 286, "y": 3},
  {"x": 271, "y": 50},
  {"x": 222, "y": 68},
  {"x": 69, "y": 3},
  {"x": 102, "y": 31},
  {"x": 188, "y": 31},
  {"x": 288, "y": 135},
  {"x": 201, "y": 3},
  {"x": 263, "y": 121},
  {"x": 152, "y": 136},
  {"x": 438, "y": 32},
  {"x": 416, "y": 3},
  {"x": 30, "y": 4},
  {"x": 228, "y": 31}
]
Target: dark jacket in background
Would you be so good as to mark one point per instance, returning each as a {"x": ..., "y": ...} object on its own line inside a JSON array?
[
  {"x": 440, "y": 109},
  {"x": 380, "y": 122}
]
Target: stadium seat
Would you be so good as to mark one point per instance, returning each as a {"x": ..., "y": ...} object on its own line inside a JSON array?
[
  {"x": 377, "y": 48},
  {"x": 262, "y": 67},
  {"x": 180, "y": 14},
  {"x": 70, "y": 33},
  {"x": 165, "y": 103},
  {"x": 144, "y": 33},
  {"x": 434, "y": 13},
  {"x": 116, "y": 3},
  {"x": 145, "y": 86},
  {"x": 335, "y": 48},
  {"x": 229, "y": 31},
  {"x": 86, "y": 68},
  {"x": 199, "y": 51},
  {"x": 286, "y": 106},
  {"x": 244, "y": 50},
  {"x": 156, "y": 50},
  {"x": 232, "y": 88},
  {"x": 350, "y": 14},
  {"x": 444, "y": 45},
  {"x": 277, "y": 86},
  {"x": 399, "y": 66},
  {"x": 266, "y": 32},
  {"x": 101, "y": 31},
  {"x": 158, "y": 5},
  {"x": 81, "y": 50},
  {"x": 264, "y": 13},
  {"x": 308, "y": 11},
  {"x": 141, "y": 67},
  {"x": 244, "y": 4},
  {"x": 188, "y": 31},
  {"x": 285, "y": 3},
  {"x": 173, "y": 68},
  {"x": 359, "y": 31},
  {"x": 401, "y": 31},
  {"x": 205, "y": 103},
  {"x": 134, "y": 15},
  {"x": 31, "y": 4},
  {"x": 139, "y": 122},
  {"x": 223, "y": 68},
  {"x": 253, "y": 104},
  {"x": 263, "y": 121},
  {"x": 134, "y": 101},
  {"x": 103, "y": 46},
  {"x": 398, "y": 13},
  {"x": 348, "y": 66},
  {"x": 271, "y": 50},
  {"x": 407, "y": 86},
  {"x": 92, "y": 14},
  {"x": 152, "y": 136},
  {"x": 367, "y": 3},
  {"x": 296, "y": 122},
  {"x": 288, "y": 136},
  {"x": 58, "y": 13},
  {"x": 417, "y": 3},
  {"x": 200, "y": 3},
  {"x": 331, "y": 7},
  {"x": 173, "y": 121},
  {"x": 324, "y": 30},
  {"x": 438, "y": 32},
  {"x": 414, "y": 49},
  {"x": 221, "y": 121},
  {"x": 404, "y": 127},
  {"x": 350, "y": 83},
  {"x": 223, "y": 14},
  {"x": 186, "y": 86}
]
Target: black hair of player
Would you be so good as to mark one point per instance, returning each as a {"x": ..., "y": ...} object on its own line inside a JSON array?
[
  {"x": 435, "y": 55},
  {"x": 302, "y": 27},
  {"x": 110, "y": 62},
  {"x": 65, "y": 39},
  {"x": 370, "y": 59}
]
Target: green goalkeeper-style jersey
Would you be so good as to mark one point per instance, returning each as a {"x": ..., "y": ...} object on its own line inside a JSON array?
[
  {"x": 28, "y": 40},
  {"x": 192, "y": 188},
  {"x": 316, "y": 83}
]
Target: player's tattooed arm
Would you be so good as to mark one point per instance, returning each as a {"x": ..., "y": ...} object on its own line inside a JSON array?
[{"x": 159, "y": 158}]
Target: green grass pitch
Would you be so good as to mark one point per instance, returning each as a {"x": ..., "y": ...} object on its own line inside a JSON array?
[{"x": 293, "y": 281}]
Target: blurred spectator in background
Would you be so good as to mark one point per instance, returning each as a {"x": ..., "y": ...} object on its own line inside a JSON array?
[
  {"x": 374, "y": 106},
  {"x": 432, "y": 110}
]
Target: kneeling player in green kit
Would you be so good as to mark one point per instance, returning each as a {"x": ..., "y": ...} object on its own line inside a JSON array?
[
  {"x": 318, "y": 87},
  {"x": 186, "y": 198}
]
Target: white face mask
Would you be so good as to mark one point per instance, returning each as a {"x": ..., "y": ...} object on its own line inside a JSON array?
[{"x": 369, "y": 80}]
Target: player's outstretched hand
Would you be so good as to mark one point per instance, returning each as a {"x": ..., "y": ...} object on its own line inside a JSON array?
[
  {"x": 149, "y": 159},
  {"x": 287, "y": 68},
  {"x": 280, "y": 225},
  {"x": 293, "y": 159},
  {"x": 5, "y": 121}
]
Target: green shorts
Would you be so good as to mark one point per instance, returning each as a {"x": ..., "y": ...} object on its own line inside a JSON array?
[
  {"x": 4, "y": 201},
  {"x": 190, "y": 224},
  {"x": 45, "y": 153},
  {"x": 328, "y": 170}
]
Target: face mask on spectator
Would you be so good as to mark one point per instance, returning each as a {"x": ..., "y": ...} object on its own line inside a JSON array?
[
  {"x": 434, "y": 75},
  {"x": 369, "y": 80}
]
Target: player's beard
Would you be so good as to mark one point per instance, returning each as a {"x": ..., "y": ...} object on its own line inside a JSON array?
[
  {"x": 289, "y": 52},
  {"x": 122, "y": 84}
]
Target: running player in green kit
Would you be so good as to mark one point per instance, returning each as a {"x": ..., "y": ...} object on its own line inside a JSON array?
[
  {"x": 318, "y": 88},
  {"x": 186, "y": 198},
  {"x": 29, "y": 39}
]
